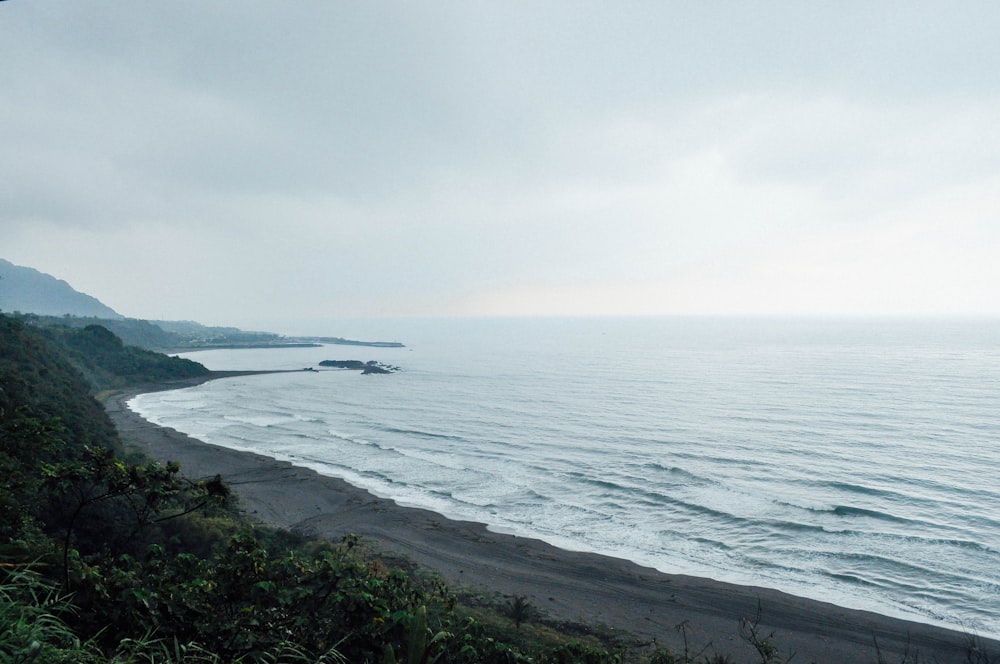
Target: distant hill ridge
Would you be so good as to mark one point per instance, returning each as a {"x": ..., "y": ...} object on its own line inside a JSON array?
[
  {"x": 27, "y": 290},
  {"x": 51, "y": 301}
]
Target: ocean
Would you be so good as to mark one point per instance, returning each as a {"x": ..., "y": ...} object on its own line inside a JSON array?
[{"x": 851, "y": 461}]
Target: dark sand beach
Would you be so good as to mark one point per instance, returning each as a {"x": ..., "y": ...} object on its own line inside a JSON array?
[{"x": 642, "y": 603}]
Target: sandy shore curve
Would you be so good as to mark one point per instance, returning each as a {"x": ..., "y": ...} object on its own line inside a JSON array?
[{"x": 643, "y": 603}]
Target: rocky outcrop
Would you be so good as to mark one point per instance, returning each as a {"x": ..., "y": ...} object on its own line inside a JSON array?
[{"x": 369, "y": 367}]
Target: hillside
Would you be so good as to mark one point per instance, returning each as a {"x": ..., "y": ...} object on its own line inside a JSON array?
[
  {"x": 27, "y": 290},
  {"x": 109, "y": 363},
  {"x": 105, "y": 557}
]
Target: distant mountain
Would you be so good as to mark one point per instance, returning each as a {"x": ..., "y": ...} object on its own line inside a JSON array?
[
  {"x": 53, "y": 302},
  {"x": 27, "y": 290}
]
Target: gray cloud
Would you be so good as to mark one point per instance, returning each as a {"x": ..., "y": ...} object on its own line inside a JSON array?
[{"x": 409, "y": 155}]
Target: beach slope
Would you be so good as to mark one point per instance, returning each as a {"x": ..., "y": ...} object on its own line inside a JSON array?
[{"x": 641, "y": 603}]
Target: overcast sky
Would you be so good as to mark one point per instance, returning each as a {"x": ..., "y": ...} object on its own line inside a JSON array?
[{"x": 250, "y": 163}]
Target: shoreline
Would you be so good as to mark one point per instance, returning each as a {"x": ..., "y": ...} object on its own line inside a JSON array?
[{"x": 564, "y": 585}]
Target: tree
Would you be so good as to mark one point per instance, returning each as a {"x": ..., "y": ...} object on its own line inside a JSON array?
[{"x": 134, "y": 496}]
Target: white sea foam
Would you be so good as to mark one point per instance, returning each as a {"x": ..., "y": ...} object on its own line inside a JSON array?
[{"x": 851, "y": 461}]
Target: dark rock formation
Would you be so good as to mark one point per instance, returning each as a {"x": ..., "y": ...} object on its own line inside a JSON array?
[{"x": 369, "y": 367}]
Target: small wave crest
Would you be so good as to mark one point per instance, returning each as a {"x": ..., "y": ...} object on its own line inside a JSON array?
[
  {"x": 422, "y": 434},
  {"x": 262, "y": 418},
  {"x": 850, "y": 511},
  {"x": 675, "y": 472},
  {"x": 356, "y": 440}
]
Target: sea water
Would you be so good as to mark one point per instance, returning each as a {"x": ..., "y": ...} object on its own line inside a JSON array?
[{"x": 851, "y": 461}]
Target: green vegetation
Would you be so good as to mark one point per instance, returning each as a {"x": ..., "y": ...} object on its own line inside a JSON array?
[
  {"x": 132, "y": 331},
  {"x": 107, "y": 557},
  {"x": 108, "y": 363},
  {"x": 164, "y": 335},
  {"x": 520, "y": 610}
]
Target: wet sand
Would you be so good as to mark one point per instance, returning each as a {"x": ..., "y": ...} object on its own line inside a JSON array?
[{"x": 641, "y": 603}]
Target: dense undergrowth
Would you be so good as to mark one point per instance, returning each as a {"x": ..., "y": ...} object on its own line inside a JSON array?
[{"x": 109, "y": 557}]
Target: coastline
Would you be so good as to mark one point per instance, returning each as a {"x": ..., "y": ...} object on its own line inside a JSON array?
[{"x": 564, "y": 585}]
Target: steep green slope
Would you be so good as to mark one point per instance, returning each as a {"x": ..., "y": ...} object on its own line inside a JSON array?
[
  {"x": 132, "y": 331},
  {"x": 48, "y": 415},
  {"x": 108, "y": 363},
  {"x": 103, "y": 560},
  {"x": 38, "y": 382}
]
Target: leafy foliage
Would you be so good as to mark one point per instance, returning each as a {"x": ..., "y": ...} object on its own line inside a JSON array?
[
  {"x": 106, "y": 560},
  {"x": 520, "y": 610},
  {"x": 40, "y": 384},
  {"x": 109, "y": 363},
  {"x": 132, "y": 331},
  {"x": 163, "y": 569},
  {"x": 33, "y": 625}
]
